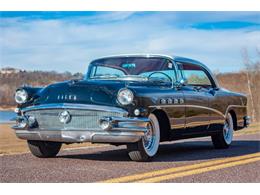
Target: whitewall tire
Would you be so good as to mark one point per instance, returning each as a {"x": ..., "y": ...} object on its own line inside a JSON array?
[
  {"x": 225, "y": 137},
  {"x": 148, "y": 146}
]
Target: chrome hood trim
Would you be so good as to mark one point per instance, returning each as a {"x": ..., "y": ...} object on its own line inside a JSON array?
[{"x": 75, "y": 106}]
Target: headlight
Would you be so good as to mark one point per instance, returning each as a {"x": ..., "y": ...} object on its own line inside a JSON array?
[
  {"x": 21, "y": 96},
  {"x": 125, "y": 96}
]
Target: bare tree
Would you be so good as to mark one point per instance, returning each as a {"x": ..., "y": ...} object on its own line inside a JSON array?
[{"x": 248, "y": 65}]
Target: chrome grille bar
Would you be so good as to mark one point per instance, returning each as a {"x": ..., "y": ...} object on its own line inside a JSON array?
[
  {"x": 83, "y": 117},
  {"x": 75, "y": 106}
]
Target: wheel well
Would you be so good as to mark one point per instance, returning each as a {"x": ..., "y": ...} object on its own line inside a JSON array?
[
  {"x": 234, "y": 117},
  {"x": 164, "y": 124}
]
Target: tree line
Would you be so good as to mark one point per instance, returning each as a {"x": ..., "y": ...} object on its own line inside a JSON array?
[
  {"x": 246, "y": 81},
  {"x": 11, "y": 81}
]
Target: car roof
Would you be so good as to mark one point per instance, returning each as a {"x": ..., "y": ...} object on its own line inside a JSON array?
[
  {"x": 176, "y": 58},
  {"x": 136, "y": 55}
]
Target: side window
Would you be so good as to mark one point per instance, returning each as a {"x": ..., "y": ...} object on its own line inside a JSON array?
[
  {"x": 168, "y": 69},
  {"x": 195, "y": 75}
]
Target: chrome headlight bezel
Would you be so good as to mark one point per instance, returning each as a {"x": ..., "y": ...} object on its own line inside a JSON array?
[
  {"x": 21, "y": 96},
  {"x": 125, "y": 96}
]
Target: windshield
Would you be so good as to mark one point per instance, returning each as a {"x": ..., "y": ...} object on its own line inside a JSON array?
[{"x": 134, "y": 68}]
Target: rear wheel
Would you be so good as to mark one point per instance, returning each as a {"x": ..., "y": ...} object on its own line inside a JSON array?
[
  {"x": 44, "y": 149},
  {"x": 224, "y": 138},
  {"x": 148, "y": 146}
]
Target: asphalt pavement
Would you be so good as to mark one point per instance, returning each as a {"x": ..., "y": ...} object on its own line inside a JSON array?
[{"x": 192, "y": 160}]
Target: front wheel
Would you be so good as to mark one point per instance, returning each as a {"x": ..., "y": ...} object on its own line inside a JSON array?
[
  {"x": 148, "y": 146},
  {"x": 44, "y": 149},
  {"x": 224, "y": 139}
]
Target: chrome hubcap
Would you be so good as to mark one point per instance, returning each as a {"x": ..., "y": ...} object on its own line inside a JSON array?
[
  {"x": 149, "y": 138},
  {"x": 228, "y": 130}
]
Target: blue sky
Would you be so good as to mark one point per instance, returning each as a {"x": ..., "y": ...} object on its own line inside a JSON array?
[{"x": 68, "y": 41}]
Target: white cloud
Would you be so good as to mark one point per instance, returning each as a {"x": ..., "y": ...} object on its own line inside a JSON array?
[{"x": 70, "y": 44}]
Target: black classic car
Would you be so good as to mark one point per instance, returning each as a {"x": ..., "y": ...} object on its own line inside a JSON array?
[{"x": 137, "y": 100}]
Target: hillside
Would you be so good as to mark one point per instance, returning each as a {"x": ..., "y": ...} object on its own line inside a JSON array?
[{"x": 10, "y": 81}]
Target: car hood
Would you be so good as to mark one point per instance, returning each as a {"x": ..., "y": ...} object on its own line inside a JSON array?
[{"x": 99, "y": 92}]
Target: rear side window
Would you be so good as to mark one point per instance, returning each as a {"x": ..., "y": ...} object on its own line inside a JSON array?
[{"x": 195, "y": 75}]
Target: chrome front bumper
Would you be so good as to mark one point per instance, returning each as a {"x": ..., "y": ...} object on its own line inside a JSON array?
[{"x": 122, "y": 129}]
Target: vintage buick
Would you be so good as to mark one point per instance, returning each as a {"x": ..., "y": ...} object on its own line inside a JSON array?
[{"x": 137, "y": 100}]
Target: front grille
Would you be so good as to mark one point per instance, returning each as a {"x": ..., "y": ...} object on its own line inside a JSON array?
[{"x": 80, "y": 119}]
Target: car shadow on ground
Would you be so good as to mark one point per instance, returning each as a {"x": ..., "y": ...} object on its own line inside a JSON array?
[{"x": 176, "y": 152}]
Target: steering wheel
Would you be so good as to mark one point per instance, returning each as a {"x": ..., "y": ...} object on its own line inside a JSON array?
[{"x": 160, "y": 73}]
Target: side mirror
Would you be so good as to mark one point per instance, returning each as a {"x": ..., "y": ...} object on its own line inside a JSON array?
[
  {"x": 214, "y": 90},
  {"x": 181, "y": 83}
]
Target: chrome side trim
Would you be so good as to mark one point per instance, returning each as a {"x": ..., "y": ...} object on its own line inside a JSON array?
[
  {"x": 202, "y": 107},
  {"x": 76, "y": 107},
  {"x": 234, "y": 106},
  {"x": 193, "y": 106}
]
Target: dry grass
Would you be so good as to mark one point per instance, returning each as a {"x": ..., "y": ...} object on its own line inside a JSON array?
[{"x": 10, "y": 144}]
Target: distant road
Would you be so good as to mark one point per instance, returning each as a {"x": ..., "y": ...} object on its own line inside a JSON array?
[{"x": 192, "y": 160}]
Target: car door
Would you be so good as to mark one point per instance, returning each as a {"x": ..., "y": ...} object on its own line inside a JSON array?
[
  {"x": 171, "y": 99},
  {"x": 196, "y": 97}
]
